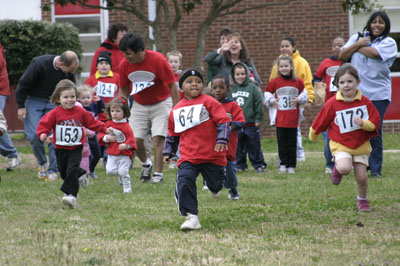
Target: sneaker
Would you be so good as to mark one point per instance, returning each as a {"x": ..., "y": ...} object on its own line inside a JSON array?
[
  {"x": 146, "y": 173},
  {"x": 260, "y": 170},
  {"x": 42, "y": 171},
  {"x": 301, "y": 159},
  {"x": 156, "y": 179},
  {"x": 336, "y": 177},
  {"x": 93, "y": 176},
  {"x": 173, "y": 164},
  {"x": 215, "y": 194},
  {"x": 84, "y": 181},
  {"x": 282, "y": 169},
  {"x": 328, "y": 170},
  {"x": 363, "y": 206},
  {"x": 233, "y": 194},
  {"x": 191, "y": 223},
  {"x": 205, "y": 187},
  {"x": 69, "y": 201},
  {"x": 376, "y": 175},
  {"x": 241, "y": 169},
  {"x": 290, "y": 170},
  {"x": 127, "y": 189},
  {"x": 51, "y": 176},
  {"x": 13, "y": 163}
]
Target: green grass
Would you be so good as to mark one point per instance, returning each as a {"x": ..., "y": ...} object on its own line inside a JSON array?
[{"x": 281, "y": 219}]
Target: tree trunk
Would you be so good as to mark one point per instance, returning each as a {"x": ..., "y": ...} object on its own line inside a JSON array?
[{"x": 200, "y": 44}]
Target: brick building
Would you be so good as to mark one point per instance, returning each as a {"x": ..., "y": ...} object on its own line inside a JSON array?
[{"x": 312, "y": 24}]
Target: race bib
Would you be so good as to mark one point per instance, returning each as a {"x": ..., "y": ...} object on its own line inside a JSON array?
[
  {"x": 345, "y": 118},
  {"x": 189, "y": 116},
  {"x": 106, "y": 89},
  {"x": 68, "y": 135},
  {"x": 331, "y": 71},
  {"x": 285, "y": 95},
  {"x": 140, "y": 86}
]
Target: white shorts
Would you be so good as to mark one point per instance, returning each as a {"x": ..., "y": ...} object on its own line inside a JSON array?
[
  {"x": 355, "y": 158},
  {"x": 156, "y": 115}
]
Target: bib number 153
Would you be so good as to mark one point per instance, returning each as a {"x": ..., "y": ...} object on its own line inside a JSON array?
[{"x": 68, "y": 135}]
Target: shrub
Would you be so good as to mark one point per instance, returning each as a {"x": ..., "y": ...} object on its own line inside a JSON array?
[{"x": 24, "y": 40}]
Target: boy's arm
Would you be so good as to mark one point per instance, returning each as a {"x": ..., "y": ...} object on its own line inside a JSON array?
[{"x": 170, "y": 145}]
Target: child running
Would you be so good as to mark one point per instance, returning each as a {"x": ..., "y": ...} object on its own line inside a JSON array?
[
  {"x": 285, "y": 93},
  {"x": 250, "y": 99},
  {"x": 121, "y": 143},
  {"x": 352, "y": 120},
  {"x": 95, "y": 105},
  {"x": 67, "y": 122},
  {"x": 200, "y": 124},
  {"x": 326, "y": 72},
  {"x": 220, "y": 90}
]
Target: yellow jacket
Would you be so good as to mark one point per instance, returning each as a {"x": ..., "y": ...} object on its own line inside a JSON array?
[{"x": 303, "y": 71}]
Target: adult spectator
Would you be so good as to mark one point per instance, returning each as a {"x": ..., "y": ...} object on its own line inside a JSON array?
[
  {"x": 33, "y": 98},
  {"x": 7, "y": 148},
  {"x": 372, "y": 56},
  {"x": 148, "y": 76},
  {"x": 232, "y": 52},
  {"x": 223, "y": 38},
  {"x": 111, "y": 44}
]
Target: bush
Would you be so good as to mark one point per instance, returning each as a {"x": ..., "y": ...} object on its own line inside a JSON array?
[{"x": 24, "y": 40}]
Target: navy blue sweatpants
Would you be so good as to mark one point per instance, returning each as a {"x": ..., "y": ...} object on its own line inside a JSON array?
[
  {"x": 249, "y": 142},
  {"x": 186, "y": 190}
]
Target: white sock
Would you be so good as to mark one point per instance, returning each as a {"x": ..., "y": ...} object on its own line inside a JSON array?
[
  {"x": 147, "y": 162},
  {"x": 359, "y": 198},
  {"x": 157, "y": 173}
]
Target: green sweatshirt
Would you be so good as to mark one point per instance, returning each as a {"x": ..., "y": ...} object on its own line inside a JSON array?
[{"x": 248, "y": 97}]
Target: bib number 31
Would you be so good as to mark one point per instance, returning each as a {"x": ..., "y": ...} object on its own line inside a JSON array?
[{"x": 68, "y": 135}]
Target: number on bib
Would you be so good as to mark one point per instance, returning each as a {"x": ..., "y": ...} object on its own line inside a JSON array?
[
  {"x": 106, "y": 89},
  {"x": 188, "y": 117},
  {"x": 284, "y": 103},
  {"x": 140, "y": 86},
  {"x": 68, "y": 135},
  {"x": 345, "y": 118}
]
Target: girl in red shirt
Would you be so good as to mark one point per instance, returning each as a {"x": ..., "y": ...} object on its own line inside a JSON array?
[
  {"x": 285, "y": 93},
  {"x": 66, "y": 122},
  {"x": 352, "y": 120}
]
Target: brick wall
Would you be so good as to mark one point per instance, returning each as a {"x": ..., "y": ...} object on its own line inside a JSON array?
[{"x": 312, "y": 24}]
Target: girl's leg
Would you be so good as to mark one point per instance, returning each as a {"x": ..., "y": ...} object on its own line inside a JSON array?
[
  {"x": 360, "y": 174},
  {"x": 344, "y": 165}
]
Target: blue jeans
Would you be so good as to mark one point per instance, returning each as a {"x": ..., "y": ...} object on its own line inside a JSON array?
[
  {"x": 231, "y": 180},
  {"x": 36, "y": 108},
  {"x": 7, "y": 148},
  {"x": 376, "y": 157},
  {"x": 327, "y": 151}
]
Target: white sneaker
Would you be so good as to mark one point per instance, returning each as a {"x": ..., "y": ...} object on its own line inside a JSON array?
[
  {"x": 301, "y": 159},
  {"x": 173, "y": 164},
  {"x": 13, "y": 163},
  {"x": 93, "y": 176},
  {"x": 282, "y": 169},
  {"x": 84, "y": 181},
  {"x": 290, "y": 170},
  {"x": 191, "y": 223},
  {"x": 69, "y": 201},
  {"x": 205, "y": 187},
  {"x": 51, "y": 176},
  {"x": 215, "y": 195},
  {"x": 127, "y": 189},
  {"x": 156, "y": 179},
  {"x": 328, "y": 170},
  {"x": 42, "y": 171}
]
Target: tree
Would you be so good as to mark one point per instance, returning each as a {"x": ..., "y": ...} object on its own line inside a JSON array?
[{"x": 219, "y": 8}]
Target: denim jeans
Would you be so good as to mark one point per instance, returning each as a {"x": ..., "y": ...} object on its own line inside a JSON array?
[
  {"x": 327, "y": 151},
  {"x": 231, "y": 180},
  {"x": 7, "y": 148},
  {"x": 36, "y": 108},
  {"x": 376, "y": 157}
]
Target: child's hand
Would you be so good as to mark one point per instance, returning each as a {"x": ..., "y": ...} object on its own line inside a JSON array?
[
  {"x": 364, "y": 41},
  {"x": 166, "y": 159},
  {"x": 85, "y": 131},
  {"x": 50, "y": 139},
  {"x": 219, "y": 147},
  {"x": 251, "y": 79},
  {"x": 109, "y": 131},
  {"x": 358, "y": 121},
  {"x": 96, "y": 98},
  {"x": 111, "y": 138},
  {"x": 294, "y": 101},
  {"x": 43, "y": 137},
  {"x": 276, "y": 104},
  {"x": 123, "y": 146}
]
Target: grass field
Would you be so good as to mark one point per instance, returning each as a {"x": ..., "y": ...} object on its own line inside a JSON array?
[{"x": 281, "y": 219}]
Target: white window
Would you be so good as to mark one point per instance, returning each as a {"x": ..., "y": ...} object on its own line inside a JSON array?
[{"x": 92, "y": 25}]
